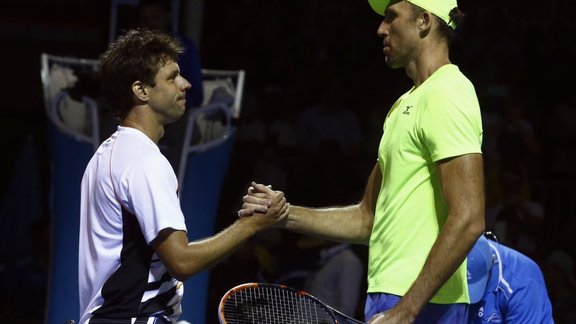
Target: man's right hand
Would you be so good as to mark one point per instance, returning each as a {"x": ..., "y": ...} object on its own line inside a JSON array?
[{"x": 263, "y": 202}]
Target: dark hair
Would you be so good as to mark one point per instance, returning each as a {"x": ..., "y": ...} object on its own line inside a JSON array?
[
  {"x": 135, "y": 56},
  {"x": 444, "y": 29},
  {"x": 448, "y": 32}
]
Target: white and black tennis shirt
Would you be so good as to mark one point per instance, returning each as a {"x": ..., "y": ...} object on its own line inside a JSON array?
[{"x": 129, "y": 194}]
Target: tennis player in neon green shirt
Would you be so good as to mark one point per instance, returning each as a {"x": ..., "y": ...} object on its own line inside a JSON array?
[{"x": 423, "y": 207}]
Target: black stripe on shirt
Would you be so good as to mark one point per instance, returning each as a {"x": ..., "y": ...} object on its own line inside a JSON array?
[{"x": 123, "y": 290}]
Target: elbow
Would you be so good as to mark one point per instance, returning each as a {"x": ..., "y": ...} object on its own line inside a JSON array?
[
  {"x": 366, "y": 232},
  {"x": 367, "y": 222},
  {"x": 181, "y": 271},
  {"x": 180, "y": 276},
  {"x": 477, "y": 228},
  {"x": 476, "y": 224},
  {"x": 469, "y": 222}
]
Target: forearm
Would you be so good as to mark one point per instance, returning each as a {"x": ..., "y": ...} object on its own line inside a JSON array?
[
  {"x": 205, "y": 253},
  {"x": 343, "y": 224},
  {"x": 184, "y": 259},
  {"x": 351, "y": 224}
]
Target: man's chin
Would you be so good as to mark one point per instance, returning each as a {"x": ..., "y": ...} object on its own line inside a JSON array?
[
  {"x": 391, "y": 63},
  {"x": 176, "y": 118}
]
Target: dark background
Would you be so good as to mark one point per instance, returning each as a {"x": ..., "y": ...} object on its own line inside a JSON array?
[{"x": 300, "y": 53}]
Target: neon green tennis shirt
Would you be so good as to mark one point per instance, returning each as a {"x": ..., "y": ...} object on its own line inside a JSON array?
[{"x": 439, "y": 119}]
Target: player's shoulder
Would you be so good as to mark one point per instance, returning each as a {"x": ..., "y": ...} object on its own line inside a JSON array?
[
  {"x": 451, "y": 80},
  {"x": 522, "y": 266},
  {"x": 137, "y": 150}
]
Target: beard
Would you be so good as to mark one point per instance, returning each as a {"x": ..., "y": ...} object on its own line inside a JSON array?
[
  {"x": 399, "y": 58},
  {"x": 396, "y": 62}
]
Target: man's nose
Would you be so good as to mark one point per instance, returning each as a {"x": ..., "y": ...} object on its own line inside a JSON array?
[
  {"x": 185, "y": 84},
  {"x": 382, "y": 29}
]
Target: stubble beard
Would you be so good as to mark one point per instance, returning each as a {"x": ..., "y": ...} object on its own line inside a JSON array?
[
  {"x": 176, "y": 116},
  {"x": 398, "y": 61}
]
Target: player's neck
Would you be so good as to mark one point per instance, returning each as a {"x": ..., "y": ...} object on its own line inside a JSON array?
[
  {"x": 145, "y": 123},
  {"x": 429, "y": 60}
]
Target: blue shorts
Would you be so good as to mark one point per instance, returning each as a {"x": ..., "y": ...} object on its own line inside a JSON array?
[{"x": 432, "y": 313}]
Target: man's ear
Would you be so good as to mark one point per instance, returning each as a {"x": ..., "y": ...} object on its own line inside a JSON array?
[
  {"x": 425, "y": 23},
  {"x": 139, "y": 90}
]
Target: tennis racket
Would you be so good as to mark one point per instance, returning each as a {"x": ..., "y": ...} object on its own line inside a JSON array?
[{"x": 264, "y": 303}]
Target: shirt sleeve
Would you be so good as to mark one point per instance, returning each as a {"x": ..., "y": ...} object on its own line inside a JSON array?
[
  {"x": 152, "y": 191},
  {"x": 450, "y": 124}
]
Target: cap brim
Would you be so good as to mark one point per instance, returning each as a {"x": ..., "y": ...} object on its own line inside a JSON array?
[
  {"x": 476, "y": 290},
  {"x": 379, "y": 6}
]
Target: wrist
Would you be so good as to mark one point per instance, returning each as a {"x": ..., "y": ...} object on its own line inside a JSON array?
[
  {"x": 409, "y": 308},
  {"x": 248, "y": 224}
]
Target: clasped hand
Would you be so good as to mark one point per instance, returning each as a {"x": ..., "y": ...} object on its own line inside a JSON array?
[{"x": 261, "y": 199}]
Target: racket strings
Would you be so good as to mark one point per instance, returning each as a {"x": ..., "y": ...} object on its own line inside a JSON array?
[{"x": 272, "y": 305}]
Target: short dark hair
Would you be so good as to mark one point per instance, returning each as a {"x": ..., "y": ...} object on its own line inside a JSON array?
[
  {"x": 444, "y": 29},
  {"x": 134, "y": 56},
  {"x": 448, "y": 32}
]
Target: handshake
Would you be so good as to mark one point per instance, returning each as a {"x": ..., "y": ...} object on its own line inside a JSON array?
[{"x": 268, "y": 206}]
